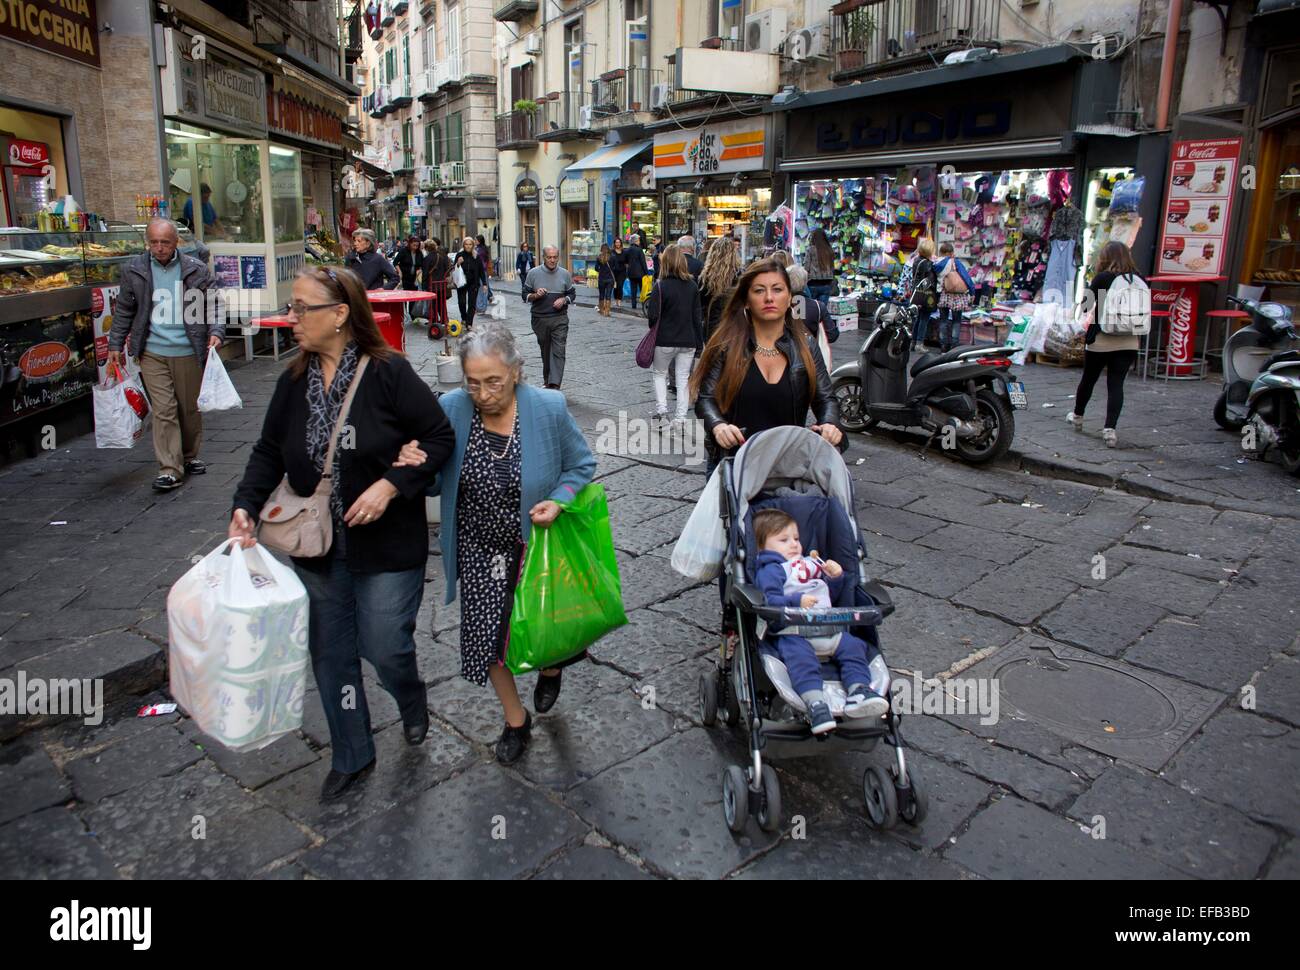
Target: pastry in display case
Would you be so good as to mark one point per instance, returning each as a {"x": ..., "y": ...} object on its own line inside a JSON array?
[{"x": 37, "y": 262}]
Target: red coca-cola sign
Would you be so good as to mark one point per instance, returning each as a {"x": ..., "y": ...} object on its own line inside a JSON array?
[
  {"x": 1179, "y": 210},
  {"x": 43, "y": 361},
  {"x": 23, "y": 152},
  {"x": 1181, "y": 330}
]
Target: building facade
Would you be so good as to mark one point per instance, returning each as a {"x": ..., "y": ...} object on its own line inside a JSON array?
[{"x": 429, "y": 93}]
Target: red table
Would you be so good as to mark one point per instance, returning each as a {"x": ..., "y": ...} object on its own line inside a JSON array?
[
  {"x": 277, "y": 323},
  {"x": 1182, "y": 301},
  {"x": 392, "y": 302}
]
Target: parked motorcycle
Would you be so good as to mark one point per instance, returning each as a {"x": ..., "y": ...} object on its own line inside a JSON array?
[
  {"x": 1261, "y": 381},
  {"x": 969, "y": 389}
]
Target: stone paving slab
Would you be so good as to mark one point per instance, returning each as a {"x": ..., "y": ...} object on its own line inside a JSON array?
[
  {"x": 51, "y": 844},
  {"x": 130, "y": 764},
  {"x": 30, "y": 783},
  {"x": 233, "y": 850}
]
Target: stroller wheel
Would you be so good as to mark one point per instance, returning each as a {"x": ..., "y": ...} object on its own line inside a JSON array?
[
  {"x": 731, "y": 705},
  {"x": 913, "y": 805},
  {"x": 769, "y": 809},
  {"x": 882, "y": 802},
  {"x": 735, "y": 798},
  {"x": 709, "y": 697}
]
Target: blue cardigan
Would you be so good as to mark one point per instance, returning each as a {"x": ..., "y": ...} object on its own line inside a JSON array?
[{"x": 556, "y": 461}]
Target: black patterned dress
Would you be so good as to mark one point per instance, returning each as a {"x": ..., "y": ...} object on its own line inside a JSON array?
[{"x": 489, "y": 546}]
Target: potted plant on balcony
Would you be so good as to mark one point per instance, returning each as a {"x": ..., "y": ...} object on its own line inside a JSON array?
[
  {"x": 857, "y": 27},
  {"x": 526, "y": 106}
]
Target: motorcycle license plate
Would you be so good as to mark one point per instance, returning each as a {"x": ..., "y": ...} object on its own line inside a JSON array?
[{"x": 1017, "y": 391}]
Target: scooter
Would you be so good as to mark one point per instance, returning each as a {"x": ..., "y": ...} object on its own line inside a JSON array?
[
  {"x": 969, "y": 389},
  {"x": 1261, "y": 382}
]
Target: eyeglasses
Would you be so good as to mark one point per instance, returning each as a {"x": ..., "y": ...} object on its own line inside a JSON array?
[
  {"x": 302, "y": 309},
  {"x": 492, "y": 385}
]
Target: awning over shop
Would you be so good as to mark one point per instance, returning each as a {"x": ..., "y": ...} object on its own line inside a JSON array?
[
  {"x": 912, "y": 156},
  {"x": 370, "y": 170},
  {"x": 609, "y": 157}
]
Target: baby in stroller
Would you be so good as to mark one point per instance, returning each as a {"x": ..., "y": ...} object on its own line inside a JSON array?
[{"x": 790, "y": 579}]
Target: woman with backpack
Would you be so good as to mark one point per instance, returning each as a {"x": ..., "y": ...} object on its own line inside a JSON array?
[
  {"x": 921, "y": 288},
  {"x": 955, "y": 289},
  {"x": 1115, "y": 352}
]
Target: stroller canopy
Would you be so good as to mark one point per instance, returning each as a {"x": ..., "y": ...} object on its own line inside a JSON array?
[{"x": 790, "y": 457}]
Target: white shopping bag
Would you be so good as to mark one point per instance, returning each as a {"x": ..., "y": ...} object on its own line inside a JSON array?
[
  {"x": 121, "y": 410},
  {"x": 702, "y": 545},
  {"x": 218, "y": 392},
  {"x": 237, "y": 627}
]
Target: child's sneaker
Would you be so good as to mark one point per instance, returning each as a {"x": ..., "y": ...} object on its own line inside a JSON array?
[
  {"x": 1108, "y": 435},
  {"x": 1076, "y": 421},
  {"x": 819, "y": 716},
  {"x": 863, "y": 702}
]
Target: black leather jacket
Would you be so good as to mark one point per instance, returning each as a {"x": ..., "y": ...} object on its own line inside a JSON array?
[{"x": 823, "y": 403}]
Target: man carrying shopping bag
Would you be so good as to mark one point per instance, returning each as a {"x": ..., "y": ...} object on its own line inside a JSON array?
[{"x": 167, "y": 317}]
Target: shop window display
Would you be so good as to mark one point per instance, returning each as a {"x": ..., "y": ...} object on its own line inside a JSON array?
[
  {"x": 286, "y": 194},
  {"x": 641, "y": 210},
  {"x": 857, "y": 219},
  {"x": 232, "y": 211},
  {"x": 1280, "y": 259}
]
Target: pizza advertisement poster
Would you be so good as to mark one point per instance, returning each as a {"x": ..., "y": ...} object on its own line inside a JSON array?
[{"x": 1198, "y": 205}]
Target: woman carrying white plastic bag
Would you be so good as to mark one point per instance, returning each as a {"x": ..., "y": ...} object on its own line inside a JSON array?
[
  {"x": 218, "y": 391},
  {"x": 121, "y": 410},
  {"x": 703, "y": 543},
  {"x": 237, "y": 625}
]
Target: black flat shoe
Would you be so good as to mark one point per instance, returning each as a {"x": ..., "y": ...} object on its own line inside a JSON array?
[
  {"x": 514, "y": 740},
  {"x": 337, "y": 782},
  {"x": 546, "y": 692},
  {"x": 195, "y": 467},
  {"x": 416, "y": 733}
]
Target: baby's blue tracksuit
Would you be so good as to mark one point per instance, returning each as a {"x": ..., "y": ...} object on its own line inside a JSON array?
[{"x": 784, "y": 583}]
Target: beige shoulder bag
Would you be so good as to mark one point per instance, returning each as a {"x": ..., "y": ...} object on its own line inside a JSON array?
[{"x": 302, "y": 526}]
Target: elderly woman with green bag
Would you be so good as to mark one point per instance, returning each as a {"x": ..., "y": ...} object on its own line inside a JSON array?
[{"x": 519, "y": 455}]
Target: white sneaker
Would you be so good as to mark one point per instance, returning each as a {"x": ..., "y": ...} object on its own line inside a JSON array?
[
  {"x": 863, "y": 704},
  {"x": 1108, "y": 435},
  {"x": 1076, "y": 421}
]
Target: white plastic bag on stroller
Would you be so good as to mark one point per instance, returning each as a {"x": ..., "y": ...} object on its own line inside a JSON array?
[{"x": 703, "y": 543}]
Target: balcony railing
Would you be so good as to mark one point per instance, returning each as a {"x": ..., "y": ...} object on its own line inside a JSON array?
[
  {"x": 386, "y": 15},
  {"x": 869, "y": 36},
  {"x": 399, "y": 93},
  {"x": 448, "y": 175},
  {"x": 376, "y": 103},
  {"x": 447, "y": 71},
  {"x": 564, "y": 117},
  {"x": 516, "y": 129},
  {"x": 621, "y": 92},
  {"x": 515, "y": 10},
  {"x": 352, "y": 36},
  {"x": 404, "y": 162}
]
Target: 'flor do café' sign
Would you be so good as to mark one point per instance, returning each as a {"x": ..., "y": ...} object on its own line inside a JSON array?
[{"x": 65, "y": 27}]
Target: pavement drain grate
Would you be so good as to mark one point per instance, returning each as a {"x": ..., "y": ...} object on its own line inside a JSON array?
[{"x": 1102, "y": 704}]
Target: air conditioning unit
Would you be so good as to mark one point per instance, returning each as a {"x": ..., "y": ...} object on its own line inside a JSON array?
[
  {"x": 765, "y": 31},
  {"x": 659, "y": 95},
  {"x": 533, "y": 43},
  {"x": 811, "y": 42},
  {"x": 585, "y": 115}
]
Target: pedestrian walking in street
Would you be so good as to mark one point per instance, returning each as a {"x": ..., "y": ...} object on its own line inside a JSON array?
[
  {"x": 674, "y": 307},
  {"x": 550, "y": 291},
  {"x": 433, "y": 279},
  {"x": 467, "y": 262},
  {"x": 408, "y": 262},
  {"x": 518, "y": 453},
  {"x": 168, "y": 316},
  {"x": 364, "y": 594},
  {"x": 955, "y": 289},
  {"x": 652, "y": 257},
  {"x": 1115, "y": 353},
  {"x": 369, "y": 263},
  {"x": 485, "y": 261},
  {"x": 717, "y": 281},
  {"x": 761, "y": 369},
  {"x": 694, "y": 265},
  {"x": 524, "y": 260},
  {"x": 637, "y": 235},
  {"x": 605, "y": 280},
  {"x": 618, "y": 259},
  {"x": 813, "y": 314},
  {"x": 920, "y": 287},
  {"x": 819, "y": 262},
  {"x": 636, "y": 271}
]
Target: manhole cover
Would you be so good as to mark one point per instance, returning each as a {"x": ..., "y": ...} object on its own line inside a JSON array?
[
  {"x": 1102, "y": 704},
  {"x": 1080, "y": 696}
]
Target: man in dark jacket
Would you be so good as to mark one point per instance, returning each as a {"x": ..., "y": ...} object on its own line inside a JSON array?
[
  {"x": 549, "y": 289},
  {"x": 372, "y": 266},
  {"x": 694, "y": 264},
  {"x": 167, "y": 316},
  {"x": 636, "y": 269}
]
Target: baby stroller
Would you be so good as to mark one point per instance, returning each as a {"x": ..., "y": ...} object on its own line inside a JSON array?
[{"x": 797, "y": 471}]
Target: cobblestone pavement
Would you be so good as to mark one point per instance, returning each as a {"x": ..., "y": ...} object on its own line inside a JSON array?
[{"x": 1150, "y": 761}]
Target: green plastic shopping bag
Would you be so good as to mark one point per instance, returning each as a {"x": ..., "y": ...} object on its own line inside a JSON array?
[{"x": 569, "y": 594}]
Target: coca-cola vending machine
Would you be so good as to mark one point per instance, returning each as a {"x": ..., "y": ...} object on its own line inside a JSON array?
[{"x": 26, "y": 165}]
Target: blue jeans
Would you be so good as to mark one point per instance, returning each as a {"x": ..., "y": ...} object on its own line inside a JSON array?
[
  {"x": 805, "y": 671},
  {"x": 355, "y": 615},
  {"x": 949, "y": 327},
  {"x": 822, "y": 293},
  {"x": 922, "y": 327}
]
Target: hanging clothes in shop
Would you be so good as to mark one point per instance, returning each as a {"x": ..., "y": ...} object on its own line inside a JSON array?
[
  {"x": 1060, "y": 273},
  {"x": 1067, "y": 225}
]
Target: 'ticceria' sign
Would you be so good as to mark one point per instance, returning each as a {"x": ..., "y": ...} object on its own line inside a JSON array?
[{"x": 982, "y": 119}]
